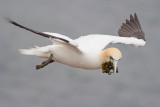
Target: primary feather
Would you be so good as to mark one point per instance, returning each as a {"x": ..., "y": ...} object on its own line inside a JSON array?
[{"x": 87, "y": 51}]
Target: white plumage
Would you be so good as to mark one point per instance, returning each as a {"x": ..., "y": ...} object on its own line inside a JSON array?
[{"x": 88, "y": 52}]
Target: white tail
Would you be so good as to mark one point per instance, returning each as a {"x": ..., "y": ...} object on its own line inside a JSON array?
[
  {"x": 37, "y": 51},
  {"x": 32, "y": 51}
]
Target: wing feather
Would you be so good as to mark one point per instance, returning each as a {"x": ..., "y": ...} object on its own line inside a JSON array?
[
  {"x": 130, "y": 33},
  {"x": 133, "y": 27},
  {"x": 54, "y": 36}
]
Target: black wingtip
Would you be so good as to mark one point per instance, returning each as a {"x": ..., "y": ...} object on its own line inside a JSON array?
[
  {"x": 135, "y": 15},
  {"x": 32, "y": 30},
  {"x": 7, "y": 19},
  {"x": 132, "y": 28}
]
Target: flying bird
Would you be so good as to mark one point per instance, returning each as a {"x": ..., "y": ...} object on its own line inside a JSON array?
[{"x": 87, "y": 52}]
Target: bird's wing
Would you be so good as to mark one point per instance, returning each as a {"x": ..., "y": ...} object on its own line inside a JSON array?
[
  {"x": 130, "y": 33},
  {"x": 53, "y": 36},
  {"x": 132, "y": 28}
]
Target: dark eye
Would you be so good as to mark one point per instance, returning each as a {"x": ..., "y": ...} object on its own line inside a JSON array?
[{"x": 111, "y": 58}]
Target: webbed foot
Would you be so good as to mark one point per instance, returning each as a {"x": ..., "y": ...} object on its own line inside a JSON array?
[{"x": 45, "y": 63}]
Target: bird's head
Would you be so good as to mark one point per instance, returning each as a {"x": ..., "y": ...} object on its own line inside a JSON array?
[{"x": 111, "y": 56}]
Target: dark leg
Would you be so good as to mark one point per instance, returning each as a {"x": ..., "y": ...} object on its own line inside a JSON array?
[{"x": 45, "y": 63}]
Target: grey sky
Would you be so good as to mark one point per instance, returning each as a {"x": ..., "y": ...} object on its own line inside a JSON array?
[{"x": 136, "y": 84}]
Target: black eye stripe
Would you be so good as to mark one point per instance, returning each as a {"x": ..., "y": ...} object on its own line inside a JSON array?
[{"x": 111, "y": 57}]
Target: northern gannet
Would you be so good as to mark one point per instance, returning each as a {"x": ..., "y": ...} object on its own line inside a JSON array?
[{"x": 87, "y": 52}]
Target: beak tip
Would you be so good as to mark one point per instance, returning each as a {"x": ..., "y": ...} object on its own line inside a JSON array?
[{"x": 115, "y": 66}]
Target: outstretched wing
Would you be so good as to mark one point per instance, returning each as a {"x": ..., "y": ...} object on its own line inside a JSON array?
[
  {"x": 132, "y": 28},
  {"x": 130, "y": 33},
  {"x": 52, "y": 36}
]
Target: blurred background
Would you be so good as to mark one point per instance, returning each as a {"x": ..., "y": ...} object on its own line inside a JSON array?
[{"x": 136, "y": 85}]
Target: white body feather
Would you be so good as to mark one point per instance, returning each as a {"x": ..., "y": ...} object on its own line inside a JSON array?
[
  {"x": 86, "y": 51},
  {"x": 89, "y": 48}
]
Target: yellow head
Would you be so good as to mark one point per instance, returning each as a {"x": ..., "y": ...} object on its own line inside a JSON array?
[{"x": 112, "y": 55}]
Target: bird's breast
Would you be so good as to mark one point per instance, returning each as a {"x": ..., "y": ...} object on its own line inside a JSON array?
[{"x": 80, "y": 60}]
